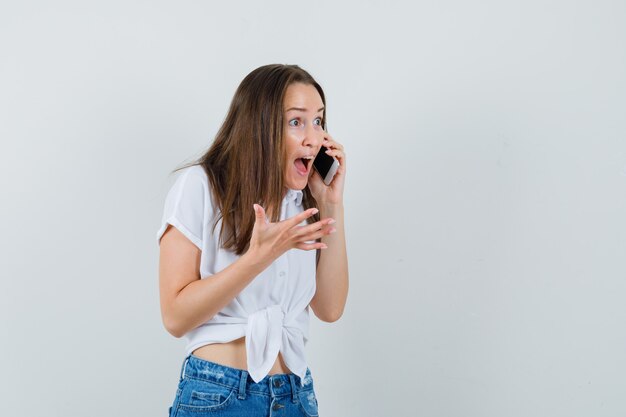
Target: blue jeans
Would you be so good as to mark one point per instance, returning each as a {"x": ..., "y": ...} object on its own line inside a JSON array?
[{"x": 207, "y": 388}]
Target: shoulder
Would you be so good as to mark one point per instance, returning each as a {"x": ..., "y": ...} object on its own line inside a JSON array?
[
  {"x": 195, "y": 187},
  {"x": 186, "y": 204},
  {"x": 193, "y": 174},
  {"x": 189, "y": 191},
  {"x": 191, "y": 181},
  {"x": 197, "y": 171}
]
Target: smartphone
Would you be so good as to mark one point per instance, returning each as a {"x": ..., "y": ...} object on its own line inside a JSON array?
[{"x": 325, "y": 165}]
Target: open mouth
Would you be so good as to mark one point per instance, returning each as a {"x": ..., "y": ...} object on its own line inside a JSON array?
[{"x": 302, "y": 165}]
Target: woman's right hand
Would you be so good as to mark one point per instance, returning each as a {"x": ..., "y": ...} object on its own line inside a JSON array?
[{"x": 270, "y": 240}]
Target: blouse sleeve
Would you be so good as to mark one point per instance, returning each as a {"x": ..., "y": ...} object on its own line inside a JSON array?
[{"x": 185, "y": 207}]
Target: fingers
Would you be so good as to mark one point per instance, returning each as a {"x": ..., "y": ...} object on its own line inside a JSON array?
[
  {"x": 313, "y": 232},
  {"x": 309, "y": 246},
  {"x": 330, "y": 143},
  {"x": 336, "y": 153},
  {"x": 319, "y": 234},
  {"x": 310, "y": 228},
  {"x": 259, "y": 214},
  {"x": 300, "y": 217},
  {"x": 335, "y": 149},
  {"x": 289, "y": 223}
]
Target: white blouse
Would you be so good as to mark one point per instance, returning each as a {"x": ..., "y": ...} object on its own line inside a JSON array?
[{"x": 272, "y": 312}]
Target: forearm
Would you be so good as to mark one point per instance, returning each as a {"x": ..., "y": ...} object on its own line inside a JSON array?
[
  {"x": 202, "y": 299},
  {"x": 332, "y": 269}
]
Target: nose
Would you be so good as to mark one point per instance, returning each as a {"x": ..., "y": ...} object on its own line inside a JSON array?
[{"x": 313, "y": 137}]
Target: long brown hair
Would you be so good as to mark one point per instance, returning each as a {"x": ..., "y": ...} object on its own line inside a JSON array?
[{"x": 245, "y": 163}]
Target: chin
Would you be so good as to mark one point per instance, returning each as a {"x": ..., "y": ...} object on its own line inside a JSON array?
[
  {"x": 297, "y": 187},
  {"x": 297, "y": 183}
]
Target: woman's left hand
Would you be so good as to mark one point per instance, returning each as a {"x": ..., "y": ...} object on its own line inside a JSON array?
[{"x": 333, "y": 193}]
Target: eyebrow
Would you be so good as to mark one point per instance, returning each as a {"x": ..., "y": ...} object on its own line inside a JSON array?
[{"x": 301, "y": 109}]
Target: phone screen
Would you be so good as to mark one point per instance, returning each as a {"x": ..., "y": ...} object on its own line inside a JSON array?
[{"x": 324, "y": 164}]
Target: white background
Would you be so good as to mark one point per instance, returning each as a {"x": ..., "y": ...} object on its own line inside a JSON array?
[{"x": 484, "y": 199}]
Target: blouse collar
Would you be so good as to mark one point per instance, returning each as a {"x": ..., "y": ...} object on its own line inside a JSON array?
[{"x": 294, "y": 195}]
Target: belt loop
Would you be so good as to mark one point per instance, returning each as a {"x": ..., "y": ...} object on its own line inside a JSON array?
[
  {"x": 242, "y": 384},
  {"x": 293, "y": 388},
  {"x": 182, "y": 371}
]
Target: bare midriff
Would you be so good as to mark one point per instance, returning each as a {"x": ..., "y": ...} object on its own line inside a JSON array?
[{"x": 233, "y": 354}]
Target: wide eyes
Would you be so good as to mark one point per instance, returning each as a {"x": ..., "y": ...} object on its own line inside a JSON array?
[{"x": 297, "y": 121}]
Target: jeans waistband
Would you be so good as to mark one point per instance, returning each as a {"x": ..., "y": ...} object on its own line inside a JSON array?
[{"x": 273, "y": 385}]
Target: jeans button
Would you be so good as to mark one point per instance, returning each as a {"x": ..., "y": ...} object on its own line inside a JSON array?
[{"x": 276, "y": 383}]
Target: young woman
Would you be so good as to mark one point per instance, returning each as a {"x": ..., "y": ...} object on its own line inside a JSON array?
[{"x": 251, "y": 239}]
